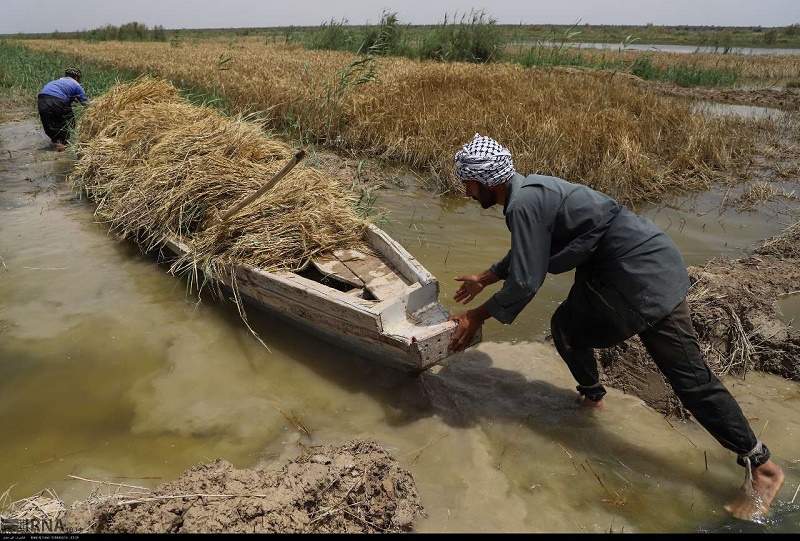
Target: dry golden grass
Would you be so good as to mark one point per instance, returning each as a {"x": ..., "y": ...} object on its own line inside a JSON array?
[
  {"x": 597, "y": 128},
  {"x": 160, "y": 168}
]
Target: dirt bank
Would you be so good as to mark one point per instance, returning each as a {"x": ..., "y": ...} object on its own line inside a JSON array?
[
  {"x": 786, "y": 99},
  {"x": 353, "y": 488}
]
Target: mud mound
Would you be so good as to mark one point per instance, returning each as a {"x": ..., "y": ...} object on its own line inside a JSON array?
[
  {"x": 355, "y": 488},
  {"x": 787, "y": 99},
  {"x": 736, "y": 318},
  {"x": 784, "y": 98}
]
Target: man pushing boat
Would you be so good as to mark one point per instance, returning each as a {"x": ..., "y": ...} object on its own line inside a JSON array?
[{"x": 630, "y": 279}]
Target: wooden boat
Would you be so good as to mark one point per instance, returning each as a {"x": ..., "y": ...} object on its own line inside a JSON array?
[{"x": 382, "y": 306}]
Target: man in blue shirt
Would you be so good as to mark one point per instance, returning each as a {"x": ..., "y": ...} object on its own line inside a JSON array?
[
  {"x": 55, "y": 106},
  {"x": 630, "y": 279}
]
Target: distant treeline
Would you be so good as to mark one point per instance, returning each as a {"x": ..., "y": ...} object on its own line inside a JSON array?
[
  {"x": 453, "y": 33},
  {"x": 132, "y": 31},
  {"x": 477, "y": 37}
]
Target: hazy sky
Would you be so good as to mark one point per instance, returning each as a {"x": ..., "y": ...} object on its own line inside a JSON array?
[{"x": 63, "y": 15}]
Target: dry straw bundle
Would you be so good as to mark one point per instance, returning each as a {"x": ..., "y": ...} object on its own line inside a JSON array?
[{"x": 160, "y": 168}]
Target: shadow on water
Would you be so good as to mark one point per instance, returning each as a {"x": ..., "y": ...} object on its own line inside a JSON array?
[{"x": 469, "y": 390}]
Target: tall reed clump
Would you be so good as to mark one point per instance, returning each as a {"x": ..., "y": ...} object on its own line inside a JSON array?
[
  {"x": 159, "y": 168},
  {"x": 334, "y": 35},
  {"x": 554, "y": 52},
  {"x": 389, "y": 37},
  {"x": 475, "y": 38}
]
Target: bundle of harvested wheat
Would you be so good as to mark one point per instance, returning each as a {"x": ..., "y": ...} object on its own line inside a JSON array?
[
  {"x": 116, "y": 104},
  {"x": 160, "y": 168}
]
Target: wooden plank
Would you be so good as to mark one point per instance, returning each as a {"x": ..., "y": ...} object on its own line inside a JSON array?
[
  {"x": 379, "y": 279},
  {"x": 319, "y": 303},
  {"x": 289, "y": 291},
  {"x": 334, "y": 267},
  {"x": 405, "y": 263}
]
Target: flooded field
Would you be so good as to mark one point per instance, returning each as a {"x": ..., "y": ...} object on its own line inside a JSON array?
[
  {"x": 687, "y": 49},
  {"x": 109, "y": 369}
]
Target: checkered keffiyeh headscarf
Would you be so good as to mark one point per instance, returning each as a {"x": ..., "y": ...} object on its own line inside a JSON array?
[{"x": 485, "y": 160}]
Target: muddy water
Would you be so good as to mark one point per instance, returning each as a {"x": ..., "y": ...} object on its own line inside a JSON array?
[
  {"x": 109, "y": 370},
  {"x": 790, "y": 308}
]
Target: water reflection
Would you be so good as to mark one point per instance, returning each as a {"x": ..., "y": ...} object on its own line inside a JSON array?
[
  {"x": 789, "y": 306},
  {"x": 686, "y": 49},
  {"x": 747, "y": 111}
]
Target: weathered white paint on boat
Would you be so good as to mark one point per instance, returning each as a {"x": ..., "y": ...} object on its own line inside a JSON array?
[{"x": 400, "y": 323}]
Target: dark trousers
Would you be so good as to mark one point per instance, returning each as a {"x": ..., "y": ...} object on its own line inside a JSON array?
[
  {"x": 673, "y": 345},
  {"x": 57, "y": 118}
]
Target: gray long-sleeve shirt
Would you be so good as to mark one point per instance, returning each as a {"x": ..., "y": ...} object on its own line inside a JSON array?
[{"x": 557, "y": 226}]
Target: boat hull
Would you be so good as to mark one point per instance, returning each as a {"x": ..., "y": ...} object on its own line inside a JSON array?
[{"x": 406, "y": 328}]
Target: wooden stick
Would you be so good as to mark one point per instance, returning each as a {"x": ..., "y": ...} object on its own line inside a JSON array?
[
  {"x": 419, "y": 451},
  {"x": 107, "y": 483},
  {"x": 267, "y": 185},
  {"x": 52, "y": 458},
  {"x": 181, "y": 496}
]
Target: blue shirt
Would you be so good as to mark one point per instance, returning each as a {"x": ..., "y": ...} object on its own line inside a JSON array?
[
  {"x": 558, "y": 226},
  {"x": 67, "y": 89}
]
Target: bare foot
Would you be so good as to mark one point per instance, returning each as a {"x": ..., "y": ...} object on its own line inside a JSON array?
[
  {"x": 60, "y": 147},
  {"x": 754, "y": 504},
  {"x": 591, "y": 404}
]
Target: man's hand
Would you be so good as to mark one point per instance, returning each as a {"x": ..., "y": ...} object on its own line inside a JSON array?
[
  {"x": 469, "y": 323},
  {"x": 470, "y": 287}
]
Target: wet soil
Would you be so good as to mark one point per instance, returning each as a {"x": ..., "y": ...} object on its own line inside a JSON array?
[
  {"x": 786, "y": 99},
  {"x": 354, "y": 488}
]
